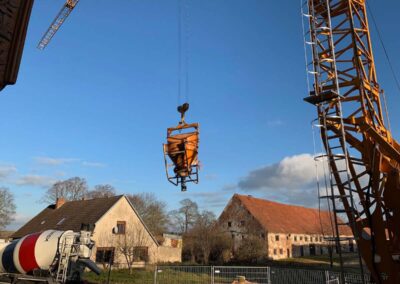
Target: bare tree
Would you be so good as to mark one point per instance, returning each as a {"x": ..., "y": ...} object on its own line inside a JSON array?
[
  {"x": 204, "y": 240},
  {"x": 7, "y": 207},
  {"x": 176, "y": 222},
  {"x": 74, "y": 188},
  {"x": 152, "y": 211},
  {"x": 133, "y": 245},
  {"x": 184, "y": 218},
  {"x": 206, "y": 234},
  {"x": 251, "y": 249},
  {"x": 101, "y": 190}
]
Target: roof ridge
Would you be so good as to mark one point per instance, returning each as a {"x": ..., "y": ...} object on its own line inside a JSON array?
[
  {"x": 96, "y": 198},
  {"x": 278, "y": 203}
]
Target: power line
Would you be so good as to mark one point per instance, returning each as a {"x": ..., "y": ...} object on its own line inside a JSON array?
[
  {"x": 397, "y": 81},
  {"x": 179, "y": 50}
]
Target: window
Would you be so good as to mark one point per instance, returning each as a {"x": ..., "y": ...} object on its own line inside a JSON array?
[
  {"x": 242, "y": 237},
  {"x": 121, "y": 226},
  {"x": 105, "y": 255},
  {"x": 301, "y": 238},
  {"x": 141, "y": 253},
  {"x": 233, "y": 236},
  {"x": 295, "y": 238},
  {"x": 229, "y": 224},
  {"x": 306, "y": 239},
  {"x": 174, "y": 243},
  {"x": 274, "y": 251},
  {"x": 242, "y": 223},
  {"x": 276, "y": 237},
  {"x": 320, "y": 239},
  {"x": 280, "y": 251},
  {"x": 311, "y": 239},
  {"x": 262, "y": 236}
]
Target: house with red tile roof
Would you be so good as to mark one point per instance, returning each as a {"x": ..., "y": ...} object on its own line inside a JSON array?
[{"x": 287, "y": 230}]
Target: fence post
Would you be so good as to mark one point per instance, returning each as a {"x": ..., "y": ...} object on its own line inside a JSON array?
[
  {"x": 212, "y": 274},
  {"x": 268, "y": 275},
  {"x": 155, "y": 274}
]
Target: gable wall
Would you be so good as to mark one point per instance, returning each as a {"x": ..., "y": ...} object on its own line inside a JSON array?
[
  {"x": 104, "y": 237},
  {"x": 242, "y": 223}
]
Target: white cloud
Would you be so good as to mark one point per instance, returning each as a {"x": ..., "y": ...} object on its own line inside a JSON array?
[
  {"x": 291, "y": 173},
  {"x": 211, "y": 200},
  {"x": 35, "y": 180},
  {"x": 93, "y": 164},
  {"x": 6, "y": 171},
  {"x": 274, "y": 123},
  {"x": 211, "y": 177},
  {"x": 291, "y": 180},
  {"x": 19, "y": 221},
  {"x": 230, "y": 187},
  {"x": 49, "y": 161}
]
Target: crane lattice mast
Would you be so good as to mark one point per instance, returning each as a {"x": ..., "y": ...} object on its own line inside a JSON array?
[
  {"x": 57, "y": 22},
  {"x": 363, "y": 157}
]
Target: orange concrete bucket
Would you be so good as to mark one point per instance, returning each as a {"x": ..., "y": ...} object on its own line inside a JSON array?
[{"x": 182, "y": 148}]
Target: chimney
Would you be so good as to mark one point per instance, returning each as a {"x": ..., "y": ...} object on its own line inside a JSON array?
[{"x": 59, "y": 202}]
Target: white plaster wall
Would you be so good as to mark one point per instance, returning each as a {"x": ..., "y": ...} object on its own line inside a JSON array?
[{"x": 104, "y": 237}]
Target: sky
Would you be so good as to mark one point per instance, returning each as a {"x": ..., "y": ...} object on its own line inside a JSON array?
[{"x": 97, "y": 101}]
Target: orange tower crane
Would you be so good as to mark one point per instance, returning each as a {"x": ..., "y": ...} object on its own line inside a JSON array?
[
  {"x": 57, "y": 22},
  {"x": 363, "y": 157}
]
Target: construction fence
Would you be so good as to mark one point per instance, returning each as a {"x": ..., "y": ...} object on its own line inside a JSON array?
[{"x": 253, "y": 275}]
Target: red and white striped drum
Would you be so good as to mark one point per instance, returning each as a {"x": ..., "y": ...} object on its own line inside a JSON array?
[{"x": 35, "y": 251}]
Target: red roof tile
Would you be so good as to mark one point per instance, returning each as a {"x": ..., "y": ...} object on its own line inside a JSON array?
[{"x": 283, "y": 218}]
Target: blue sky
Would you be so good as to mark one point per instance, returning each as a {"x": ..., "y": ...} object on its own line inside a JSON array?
[{"x": 97, "y": 101}]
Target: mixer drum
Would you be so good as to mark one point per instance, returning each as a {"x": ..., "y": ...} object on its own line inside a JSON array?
[{"x": 35, "y": 251}]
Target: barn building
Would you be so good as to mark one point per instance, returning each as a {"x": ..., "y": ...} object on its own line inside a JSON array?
[
  {"x": 115, "y": 225},
  {"x": 286, "y": 230}
]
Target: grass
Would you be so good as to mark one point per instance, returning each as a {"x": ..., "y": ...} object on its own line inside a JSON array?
[
  {"x": 323, "y": 262},
  {"x": 143, "y": 276},
  {"x": 138, "y": 276}
]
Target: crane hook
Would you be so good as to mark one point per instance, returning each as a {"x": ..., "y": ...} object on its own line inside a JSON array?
[{"x": 182, "y": 109}]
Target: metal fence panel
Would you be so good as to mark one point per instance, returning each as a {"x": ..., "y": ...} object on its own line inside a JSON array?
[
  {"x": 352, "y": 278},
  {"x": 182, "y": 275},
  {"x": 255, "y": 275},
  {"x": 230, "y": 274},
  {"x": 296, "y": 276}
]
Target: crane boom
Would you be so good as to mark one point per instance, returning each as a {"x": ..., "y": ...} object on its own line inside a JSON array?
[
  {"x": 57, "y": 22},
  {"x": 363, "y": 157}
]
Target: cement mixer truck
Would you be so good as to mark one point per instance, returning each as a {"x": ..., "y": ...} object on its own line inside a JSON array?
[{"x": 50, "y": 256}]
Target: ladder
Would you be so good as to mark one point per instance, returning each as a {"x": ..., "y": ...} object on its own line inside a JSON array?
[
  {"x": 57, "y": 22},
  {"x": 322, "y": 71},
  {"x": 64, "y": 258}
]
